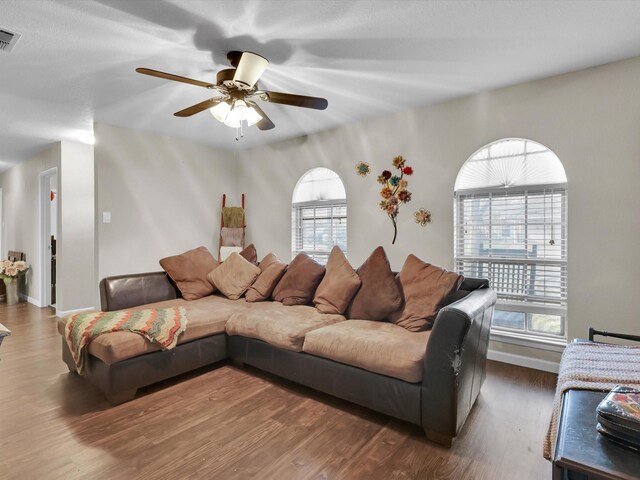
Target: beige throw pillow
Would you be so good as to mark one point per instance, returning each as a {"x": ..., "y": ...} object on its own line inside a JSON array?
[
  {"x": 233, "y": 276},
  {"x": 189, "y": 272},
  {"x": 339, "y": 285},
  {"x": 268, "y": 259},
  {"x": 425, "y": 287},
  {"x": 271, "y": 271}
]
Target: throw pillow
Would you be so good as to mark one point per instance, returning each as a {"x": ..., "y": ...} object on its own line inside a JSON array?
[
  {"x": 271, "y": 271},
  {"x": 268, "y": 259},
  {"x": 234, "y": 276},
  {"x": 189, "y": 272},
  {"x": 380, "y": 294},
  {"x": 425, "y": 288},
  {"x": 250, "y": 254},
  {"x": 339, "y": 285},
  {"x": 299, "y": 283}
]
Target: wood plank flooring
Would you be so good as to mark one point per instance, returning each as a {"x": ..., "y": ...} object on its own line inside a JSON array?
[{"x": 225, "y": 422}]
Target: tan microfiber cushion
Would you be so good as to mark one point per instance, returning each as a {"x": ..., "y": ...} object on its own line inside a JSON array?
[
  {"x": 425, "y": 287},
  {"x": 299, "y": 283},
  {"x": 379, "y": 347},
  {"x": 189, "y": 272},
  {"x": 283, "y": 327},
  {"x": 271, "y": 271},
  {"x": 338, "y": 286},
  {"x": 234, "y": 276},
  {"x": 249, "y": 253},
  {"x": 380, "y": 295}
]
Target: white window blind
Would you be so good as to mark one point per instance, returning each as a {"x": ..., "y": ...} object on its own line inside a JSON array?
[
  {"x": 317, "y": 227},
  {"x": 516, "y": 236}
]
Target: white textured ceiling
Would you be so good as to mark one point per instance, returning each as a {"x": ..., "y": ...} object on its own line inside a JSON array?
[{"x": 76, "y": 59}]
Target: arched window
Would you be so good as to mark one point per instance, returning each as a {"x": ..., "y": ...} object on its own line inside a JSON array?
[
  {"x": 319, "y": 214},
  {"x": 511, "y": 227}
]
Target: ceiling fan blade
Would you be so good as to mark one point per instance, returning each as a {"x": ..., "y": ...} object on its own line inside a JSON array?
[
  {"x": 199, "y": 107},
  {"x": 295, "y": 100},
  {"x": 265, "y": 123},
  {"x": 249, "y": 69},
  {"x": 175, "y": 78}
]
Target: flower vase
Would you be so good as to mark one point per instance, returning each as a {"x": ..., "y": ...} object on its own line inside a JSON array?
[{"x": 12, "y": 291}]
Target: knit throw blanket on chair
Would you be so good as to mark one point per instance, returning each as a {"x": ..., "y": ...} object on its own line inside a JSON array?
[
  {"x": 592, "y": 366},
  {"x": 158, "y": 325}
]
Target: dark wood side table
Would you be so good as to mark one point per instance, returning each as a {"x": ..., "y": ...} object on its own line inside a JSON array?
[{"x": 581, "y": 452}]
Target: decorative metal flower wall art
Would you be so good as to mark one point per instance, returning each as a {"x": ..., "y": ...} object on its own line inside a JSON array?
[
  {"x": 363, "y": 169},
  {"x": 394, "y": 191},
  {"x": 422, "y": 217}
]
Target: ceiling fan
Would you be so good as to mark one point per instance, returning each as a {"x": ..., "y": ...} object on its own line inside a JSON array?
[{"x": 239, "y": 89}]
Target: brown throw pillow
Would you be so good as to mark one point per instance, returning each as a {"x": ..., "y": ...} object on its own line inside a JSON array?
[
  {"x": 425, "y": 287},
  {"x": 249, "y": 253},
  {"x": 189, "y": 272},
  {"x": 271, "y": 271},
  {"x": 339, "y": 285},
  {"x": 234, "y": 276},
  {"x": 380, "y": 294},
  {"x": 299, "y": 283}
]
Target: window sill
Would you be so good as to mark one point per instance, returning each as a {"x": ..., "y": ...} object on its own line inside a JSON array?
[{"x": 553, "y": 345}]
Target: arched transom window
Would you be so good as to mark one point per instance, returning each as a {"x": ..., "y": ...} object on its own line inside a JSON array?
[
  {"x": 511, "y": 227},
  {"x": 319, "y": 214}
]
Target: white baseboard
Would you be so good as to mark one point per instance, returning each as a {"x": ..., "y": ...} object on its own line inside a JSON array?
[
  {"x": 31, "y": 300},
  {"x": 522, "y": 361},
  {"x": 64, "y": 313}
]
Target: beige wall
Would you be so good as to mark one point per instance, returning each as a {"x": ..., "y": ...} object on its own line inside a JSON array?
[
  {"x": 164, "y": 196},
  {"x": 20, "y": 204},
  {"x": 75, "y": 241},
  {"x": 75, "y": 289},
  {"x": 590, "y": 119}
]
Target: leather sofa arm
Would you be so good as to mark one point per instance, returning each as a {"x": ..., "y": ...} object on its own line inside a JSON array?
[
  {"x": 455, "y": 362},
  {"x": 126, "y": 291}
]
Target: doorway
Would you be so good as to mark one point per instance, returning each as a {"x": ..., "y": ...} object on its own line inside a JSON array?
[{"x": 49, "y": 234}]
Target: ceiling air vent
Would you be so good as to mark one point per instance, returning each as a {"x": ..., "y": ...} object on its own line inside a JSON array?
[{"x": 8, "y": 40}]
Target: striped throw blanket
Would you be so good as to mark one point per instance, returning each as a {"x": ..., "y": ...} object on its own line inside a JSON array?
[
  {"x": 158, "y": 325},
  {"x": 591, "y": 366}
]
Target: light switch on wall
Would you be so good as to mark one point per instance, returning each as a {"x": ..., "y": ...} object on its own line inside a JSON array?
[{"x": 106, "y": 217}]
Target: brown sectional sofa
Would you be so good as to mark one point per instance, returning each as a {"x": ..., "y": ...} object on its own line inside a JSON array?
[{"x": 430, "y": 378}]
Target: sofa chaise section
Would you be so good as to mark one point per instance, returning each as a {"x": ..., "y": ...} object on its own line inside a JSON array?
[{"x": 119, "y": 363}]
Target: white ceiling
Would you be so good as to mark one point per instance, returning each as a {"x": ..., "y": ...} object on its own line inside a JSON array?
[{"x": 76, "y": 59}]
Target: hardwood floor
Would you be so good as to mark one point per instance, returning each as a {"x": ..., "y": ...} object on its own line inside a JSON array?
[{"x": 230, "y": 423}]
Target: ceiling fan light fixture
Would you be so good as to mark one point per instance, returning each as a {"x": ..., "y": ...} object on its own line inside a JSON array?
[
  {"x": 237, "y": 114},
  {"x": 253, "y": 117},
  {"x": 249, "y": 69},
  {"x": 220, "y": 111}
]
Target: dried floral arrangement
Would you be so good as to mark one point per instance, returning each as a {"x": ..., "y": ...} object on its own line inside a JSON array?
[
  {"x": 363, "y": 169},
  {"x": 394, "y": 191},
  {"x": 422, "y": 217}
]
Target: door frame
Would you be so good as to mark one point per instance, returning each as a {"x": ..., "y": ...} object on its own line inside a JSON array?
[
  {"x": 1, "y": 226},
  {"x": 44, "y": 200}
]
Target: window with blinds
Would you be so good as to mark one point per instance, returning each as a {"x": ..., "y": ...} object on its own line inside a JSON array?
[
  {"x": 515, "y": 234},
  {"x": 319, "y": 215},
  {"x": 317, "y": 227}
]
